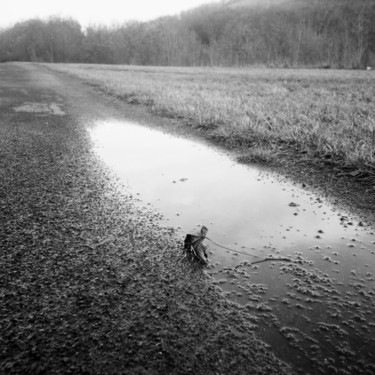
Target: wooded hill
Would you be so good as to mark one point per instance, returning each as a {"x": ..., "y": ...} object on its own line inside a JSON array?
[{"x": 282, "y": 33}]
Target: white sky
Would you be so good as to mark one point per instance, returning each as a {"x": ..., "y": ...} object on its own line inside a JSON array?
[{"x": 88, "y": 12}]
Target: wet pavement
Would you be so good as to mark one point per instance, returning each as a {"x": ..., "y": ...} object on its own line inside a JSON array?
[
  {"x": 316, "y": 311},
  {"x": 89, "y": 282}
]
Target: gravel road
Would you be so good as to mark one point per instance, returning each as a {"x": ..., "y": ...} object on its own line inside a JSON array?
[{"x": 89, "y": 283}]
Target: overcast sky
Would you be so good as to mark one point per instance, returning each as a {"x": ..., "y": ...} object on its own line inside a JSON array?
[{"x": 93, "y": 12}]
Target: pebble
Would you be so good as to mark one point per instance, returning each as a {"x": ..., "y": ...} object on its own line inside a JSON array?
[{"x": 293, "y": 204}]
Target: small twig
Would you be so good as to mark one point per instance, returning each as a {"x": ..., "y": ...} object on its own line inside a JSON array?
[
  {"x": 273, "y": 259},
  {"x": 249, "y": 254},
  {"x": 235, "y": 251}
]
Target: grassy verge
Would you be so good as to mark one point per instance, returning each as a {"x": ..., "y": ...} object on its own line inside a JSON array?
[{"x": 328, "y": 114}]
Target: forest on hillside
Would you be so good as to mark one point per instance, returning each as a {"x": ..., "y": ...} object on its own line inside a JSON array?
[{"x": 292, "y": 33}]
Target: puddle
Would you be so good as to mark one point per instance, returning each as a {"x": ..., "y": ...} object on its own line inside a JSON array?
[
  {"x": 45, "y": 108},
  {"x": 317, "y": 312}
]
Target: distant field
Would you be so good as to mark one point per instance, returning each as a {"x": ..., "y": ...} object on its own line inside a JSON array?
[{"x": 328, "y": 113}]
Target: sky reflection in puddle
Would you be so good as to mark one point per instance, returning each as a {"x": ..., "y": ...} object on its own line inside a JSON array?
[{"x": 312, "y": 312}]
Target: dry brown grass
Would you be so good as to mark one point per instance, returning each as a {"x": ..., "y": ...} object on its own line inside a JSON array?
[{"x": 323, "y": 112}]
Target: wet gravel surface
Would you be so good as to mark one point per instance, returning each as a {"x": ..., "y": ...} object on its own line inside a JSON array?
[
  {"x": 89, "y": 282},
  {"x": 315, "y": 305},
  {"x": 324, "y": 321}
]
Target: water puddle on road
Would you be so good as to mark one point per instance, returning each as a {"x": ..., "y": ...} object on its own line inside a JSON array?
[{"x": 317, "y": 312}]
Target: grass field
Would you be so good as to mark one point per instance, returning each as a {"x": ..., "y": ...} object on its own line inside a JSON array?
[{"x": 325, "y": 113}]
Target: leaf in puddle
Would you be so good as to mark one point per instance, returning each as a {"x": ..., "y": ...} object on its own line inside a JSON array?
[{"x": 193, "y": 243}]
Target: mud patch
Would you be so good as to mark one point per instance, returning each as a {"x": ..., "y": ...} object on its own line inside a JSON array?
[{"x": 43, "y": 108}]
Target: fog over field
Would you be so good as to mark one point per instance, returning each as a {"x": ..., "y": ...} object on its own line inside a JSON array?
[
  {"x": 98, "y": 13},
  {"x": 294, "y": 33}
]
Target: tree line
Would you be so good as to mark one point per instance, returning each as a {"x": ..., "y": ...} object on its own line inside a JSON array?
[{"x": 299, "y": 33}]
